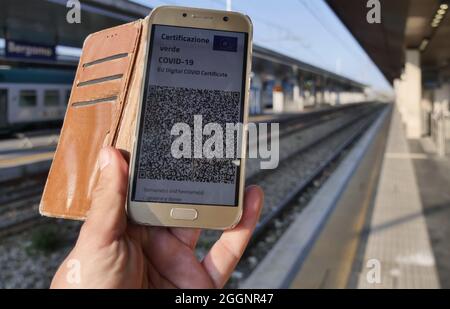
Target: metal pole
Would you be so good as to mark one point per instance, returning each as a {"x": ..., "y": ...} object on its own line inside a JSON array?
[
  {"x": 441, "y": 135},
  {"x": 228, "y": 5},
  {"x": 444, "y": 135}
]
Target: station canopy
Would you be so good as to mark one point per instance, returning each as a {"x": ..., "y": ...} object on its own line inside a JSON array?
[
  {"x": 405, "y": 24},
  {"x": 44, "y": 22}
]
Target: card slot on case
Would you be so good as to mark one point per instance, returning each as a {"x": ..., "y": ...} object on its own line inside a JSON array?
[
  {"x": 106, "y": 59},
  {"x": 97, "y": 91},
  {"x": 104, "y": 69},
  {"x": 96, "y": 101},
  {"x": 100, "y": 80}
]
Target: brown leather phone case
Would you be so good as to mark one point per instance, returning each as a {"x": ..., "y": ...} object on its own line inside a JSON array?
[{"x": 102, "y": 110}]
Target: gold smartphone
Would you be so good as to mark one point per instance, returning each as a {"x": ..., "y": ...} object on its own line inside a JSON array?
[{"x": 188, "y": 161}]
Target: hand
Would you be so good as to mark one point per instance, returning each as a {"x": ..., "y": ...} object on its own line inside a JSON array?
[{"x": 113, "y": 253}]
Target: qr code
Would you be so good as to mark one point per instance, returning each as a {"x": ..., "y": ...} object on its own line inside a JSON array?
[{"x": 166, "y": 106}]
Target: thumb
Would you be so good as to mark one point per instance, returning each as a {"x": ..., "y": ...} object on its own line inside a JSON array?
[{"x": 107, "y": 218}]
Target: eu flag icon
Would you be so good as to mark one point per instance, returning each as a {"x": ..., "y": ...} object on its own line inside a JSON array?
[{"x": 225, "y": 43}]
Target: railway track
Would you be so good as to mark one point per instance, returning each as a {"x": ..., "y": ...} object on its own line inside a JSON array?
[
  {"x": 294, "y": 123},
  {"x": 282, "y": 207},
  {"x": 355, "y": 130},
  {"x": 305, "y": 135},
  {"x": 19, "y": 199},
  {"x": 19, "y": 202}
]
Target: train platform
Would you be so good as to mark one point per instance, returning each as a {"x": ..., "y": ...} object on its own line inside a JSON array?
[
  {"x": 27, "y": 154},
  {"x": 433, "y": 176},
  {"x": 398, "y": 240},
  {"x": 380, "y": 221}
]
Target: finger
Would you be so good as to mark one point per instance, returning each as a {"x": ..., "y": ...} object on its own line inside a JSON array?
[
  {"x": 227, "y": 251},
  {"x": 106, "y": 218},
  {"x": 187, "y": 236}
]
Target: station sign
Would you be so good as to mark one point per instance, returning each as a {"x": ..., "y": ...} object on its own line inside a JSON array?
[{"x": 26, "y": 50}]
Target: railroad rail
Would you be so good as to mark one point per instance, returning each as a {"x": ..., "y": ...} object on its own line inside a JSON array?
[
  {"x": 303, "y": 185},
  {"x": 19, "y": 198}
]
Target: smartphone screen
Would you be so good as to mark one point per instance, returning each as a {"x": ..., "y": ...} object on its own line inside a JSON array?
[{"x": 194, "y": 88}]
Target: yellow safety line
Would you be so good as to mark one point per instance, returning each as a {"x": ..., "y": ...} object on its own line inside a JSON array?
[
  {"x": 346, "y": 255},
  {"x": 346, "y": 263},
  {"x": 406, "y": 156},
  {"x": 21, "y": 160}
]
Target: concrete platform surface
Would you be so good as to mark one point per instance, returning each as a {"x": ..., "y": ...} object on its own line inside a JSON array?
[
  {"x": 433, "y": 178},
  {"x": 398, "y": 252}
]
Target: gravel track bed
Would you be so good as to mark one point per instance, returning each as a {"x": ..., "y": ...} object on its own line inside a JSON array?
[
  {"x": 291, "y": 143},
  {"x": 23, "y": 266}
]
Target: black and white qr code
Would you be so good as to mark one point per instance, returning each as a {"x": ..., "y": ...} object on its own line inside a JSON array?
[{"x": 166, "y": 106}]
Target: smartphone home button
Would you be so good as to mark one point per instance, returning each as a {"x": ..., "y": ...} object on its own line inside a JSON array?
[{"x": 183, "y": 213}]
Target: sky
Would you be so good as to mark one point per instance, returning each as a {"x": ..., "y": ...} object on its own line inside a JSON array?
[{"x": 307, "y": 30}]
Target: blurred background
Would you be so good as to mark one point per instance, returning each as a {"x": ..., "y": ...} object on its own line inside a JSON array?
[{"x": 361, "y": 90}]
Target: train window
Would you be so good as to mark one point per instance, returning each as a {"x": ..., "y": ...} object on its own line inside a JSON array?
[
  {"x": 51, "y": 98},
  {"x": 27, "y": 98}
]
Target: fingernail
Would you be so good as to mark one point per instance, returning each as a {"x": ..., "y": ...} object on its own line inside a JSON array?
[{"x": 104, "y": 158}]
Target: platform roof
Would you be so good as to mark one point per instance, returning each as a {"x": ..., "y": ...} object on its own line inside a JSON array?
[
  {"x": 45, "y": 22},
  {"x": 406, "y": 24},
  {"x": 268, "y": 54}
]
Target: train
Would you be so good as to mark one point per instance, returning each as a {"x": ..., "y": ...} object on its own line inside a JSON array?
[
  {"x": 33, "y": 97},
  {"x": 38, "y": 97}
]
